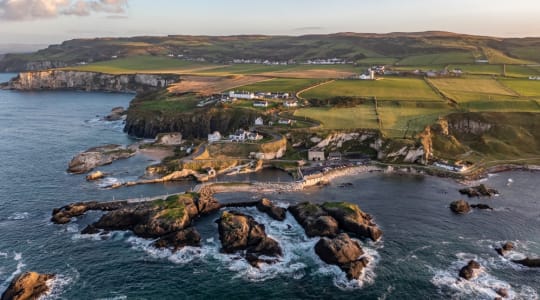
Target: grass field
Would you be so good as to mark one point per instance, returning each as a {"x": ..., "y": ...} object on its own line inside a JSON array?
[
  {"x": 385, "y": 89},
  {"x": 525, "y": 87},
  {"x": 407, "y": 118},
  {"x": 473, "y": 89},
  {"x": 170, "y": 103},
  {"x": 520, "y": 71},
  {"x": 291, "y": 71},
  {"x": 291, "y": 85},
  {"x": 479, "y": 69},
  {"x": 502, "y": 106},
  {"x": 438, "y": 59},
  {"x": 497, "y": 57},
  {"x": 151, "y": 64},
  {"x": 361, "y": 116},
  {"x": 377, "y": 61}
]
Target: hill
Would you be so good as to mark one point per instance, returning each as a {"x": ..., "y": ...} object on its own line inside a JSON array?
[{"x": 422, "y": 48}]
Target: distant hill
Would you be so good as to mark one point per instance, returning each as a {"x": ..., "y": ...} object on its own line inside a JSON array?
[{"x": 417, "y": 48}]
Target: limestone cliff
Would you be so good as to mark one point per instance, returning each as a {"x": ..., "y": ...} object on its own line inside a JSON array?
[{"x": 89, "y": 81}]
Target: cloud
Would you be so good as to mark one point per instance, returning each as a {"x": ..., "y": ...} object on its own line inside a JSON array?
[{"x": 38, "y": 9}]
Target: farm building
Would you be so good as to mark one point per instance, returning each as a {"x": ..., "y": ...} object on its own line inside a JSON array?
[
  {"x": 260, "y": 104},
  {"x": 242, "y": 95},
  {"x": 259, "y": 121},
  {"x": 214, "y": 137},
  {"x": 290, "y": 103}
]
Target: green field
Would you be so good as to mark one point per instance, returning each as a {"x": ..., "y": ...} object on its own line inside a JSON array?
[
  {"x": 437, "y": 59},
  {"x": 136, "y": 64},
  {"x": 291, "y": 85},
  {"x": 253, "y": 69},
  {"x": 385, "y": 89},
  {"x": 525, "y": 87},
  {"x": 479, "y": 69},
  {"x": 163, "y": 102},
  {"x": 377, "y": 61},
  {"x": 473, "y": 89},
  {"x": 407, "y": 118},
  {"x": 519, "y": 105},
  {"x": 520, "y": 71},
  {"x": 360, "y": 116}
]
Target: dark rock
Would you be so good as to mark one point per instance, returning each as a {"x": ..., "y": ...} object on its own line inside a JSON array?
[
  {"x": 343, "y": 252},
  {"x": 470, "y": 270},
  {"x": 116, "y": 114},
  {"x": 460, "y": 207},
  {"x": 27, "y": 286},
  {"x": 478, "y": 191},
  {"x": 90, "y": 229},
  {"x": 502, "y": 292},
  {"x": 179, "y": 239},
  {"x": 481, "y": 206},
  {"x": 507, "y": 247},
  {"x": 275, "y": 212},
  {"x": 98, "y": 156},
  {"x": 64, "y": 214},
  {"x": 239, "y": 232},
  {"x": 352, "y": 219},
  {"x": 529, "y": 262},
  {"x": 314, "y": 220}
]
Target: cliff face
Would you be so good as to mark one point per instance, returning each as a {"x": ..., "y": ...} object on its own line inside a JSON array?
[
  {"x": 196, "y": 124},
  {"x": 89, "y": 81}
]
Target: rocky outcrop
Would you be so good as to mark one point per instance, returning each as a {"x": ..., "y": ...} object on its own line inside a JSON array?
[
  {"x": 328, "y": 218},
  {"x": 89, "y": 81},
  {"x": 343, "y": 252},
  {"x": 460, "y": 207},
  {"x": 505, "y": 248},
  {"x": 479, "y": 191},
  {"x": 27, "y": 286},
  {"x": 481, "y": 206},
  {"x": 275, "y": 212},
  {"x": 98, "y": 156},
  {"x": 529, "y": 262},
  {"x": 314, "y": 220},
  {"x": 117, "y": 113},
  {"x": 95, "y": 176},
  {"x": 352, "y": 219},
  {"x": 239, "y": 232},
  {"x": 470, "y": 271},
  {"x": 169, "y": 220},
  {"x": 142, "y": 122}
]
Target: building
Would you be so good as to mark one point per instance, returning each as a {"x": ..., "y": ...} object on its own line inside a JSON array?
[
  {"x": 290, "y": 103},
  {"x": 260, "y": 104},
  {"x": 369, "y": 76},
  {"x": 254, "y": 136},
  {"x": 534, "y": 77},
  {"x": 214, "y": 137},
  {"x": 259, "y": 121},
  {"x": 316, "y": 154},
  {"x": 284, "y": 122},
  {"x": 238, "y": 136},
  {"x": 334, "y": 156},
  {"x": 241, "y": 95}
]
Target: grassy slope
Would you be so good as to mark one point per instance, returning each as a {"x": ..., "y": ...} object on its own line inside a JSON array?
[
  {"x": 361, "y": 116},
  {"x": 290, "y": 85}
]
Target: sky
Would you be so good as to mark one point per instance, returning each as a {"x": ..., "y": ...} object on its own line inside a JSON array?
[{"x": 53, "y": 21}]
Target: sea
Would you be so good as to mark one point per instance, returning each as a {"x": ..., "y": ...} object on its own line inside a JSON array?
[{"x": 423, "y": 247}]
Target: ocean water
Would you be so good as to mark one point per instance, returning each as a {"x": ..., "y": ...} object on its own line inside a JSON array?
[{"x": 422, "y": 249}]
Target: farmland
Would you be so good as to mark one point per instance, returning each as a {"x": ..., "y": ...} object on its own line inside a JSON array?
[
  {"x": 386, "y": 89},
  {"x": 360, "y": 116},
  {"x": 473, "y": 89},
  {"x": 290, "y": 85},
  {"x": 525, "y": 87}
]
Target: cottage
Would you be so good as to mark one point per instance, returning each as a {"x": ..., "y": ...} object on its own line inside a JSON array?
[
  {"x": 369, "y": 76},
  {"x": 260, "y": 104},
  {"x": 316, "y": 154},
  {"x": 254, "y": 136},
  {"x": 259, "y": 121},
  {"x": 214, "y": 137},
  {"x": 290, "y": 103}
]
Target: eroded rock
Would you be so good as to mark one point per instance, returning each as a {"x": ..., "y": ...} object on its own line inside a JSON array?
[
  {"x": 98, "y": 156},
  {"x": 479, "y": 191},
  {"x": 240, "y": 232},
  {"x": 27, "y": 286},
  {"x": 529, "y": 262},
  {"x": 352, "y": 219},
  {"x": 470, "y": 271},
  {"x": 314, "y": 220},
  {"x": 343, "y": 252},
  {"x": 460, "y": 207},
  {"x": 505, "y": 248},
  {"x": 275, "y": 212}
]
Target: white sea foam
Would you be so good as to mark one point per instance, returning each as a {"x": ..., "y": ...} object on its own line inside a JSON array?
[
  {"x": 108, "y": 182},
  {"x": 56, "y": 286},
  {"x": 20, "y": 265},
  {"x": 484, "y": 286},
  {"x": 19, "y": 216}
]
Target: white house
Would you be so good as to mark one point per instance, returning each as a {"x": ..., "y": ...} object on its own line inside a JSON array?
[
  {"x": 290, "y": 103},
  {"x": 242, "y": 95},
  {"x": 534, "y": 77},
  {"x": 238, "y": 136},
  {"x": 259, "y": 121},
  {"x": 260, "y": 104},
  {"x": 214, "y": 137},
  {"x": 369, "y": 76},
  {"x": 254, "y": 136},
  {"x": 284, "y": 122}
]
